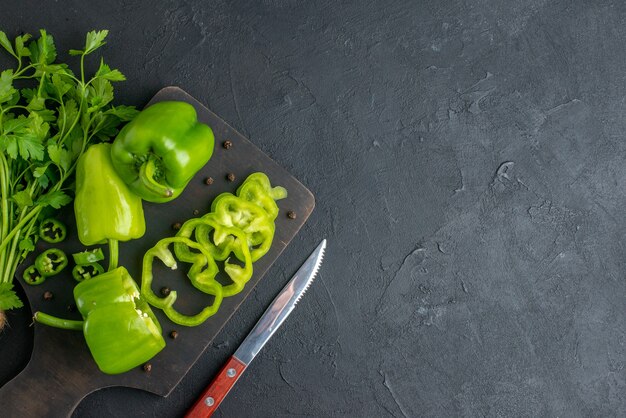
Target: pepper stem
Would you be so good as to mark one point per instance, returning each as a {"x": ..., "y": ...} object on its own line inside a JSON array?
[
  {"x": 53, "y": 321},
  {"x": 113, "y": 254},
  {"x": 146, "y": 175}
]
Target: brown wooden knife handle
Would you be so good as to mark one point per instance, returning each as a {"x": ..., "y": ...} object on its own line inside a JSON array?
[{"x": 210, "y": 400}]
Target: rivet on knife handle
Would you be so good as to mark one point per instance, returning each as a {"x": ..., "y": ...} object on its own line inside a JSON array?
[{"x": 210, "y": 400}]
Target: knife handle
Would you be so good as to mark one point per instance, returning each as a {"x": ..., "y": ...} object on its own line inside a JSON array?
[{"x": 210, "y": 400}]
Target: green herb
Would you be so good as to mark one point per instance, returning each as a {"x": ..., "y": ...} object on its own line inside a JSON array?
[{"x": 48, "y": 117}]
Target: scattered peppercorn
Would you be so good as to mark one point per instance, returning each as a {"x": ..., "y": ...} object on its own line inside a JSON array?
[
  {"x": 173, "y": 335},
  {"x": 176, "y": 226},
  {"x": 208, "y": 181},
  {"x": 147, "y": 367},
  {"x": 227, "y": 144},
  {"x": 291, "y": 214},
  {"x": 196, "y": 212},
  {"x": 165, "y": 291},
  {"x": 47, "y": 295},
  {"x": 230, "y": 177}
]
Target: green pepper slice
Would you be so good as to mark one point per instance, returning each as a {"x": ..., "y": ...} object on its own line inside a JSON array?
[
  {"x": 257, "y": 189},
  {"x": 226, "y": 240},
  {"x": 51, "y": 262},
  {"x": 232, "y": 211},
  {"x": 32, "y": 276},
  {"x": 86, "y": 271},
  {"x": 203, "y": 280},
  {"x": 52, "y": 230},
  {"x": 87, "y": 257}
]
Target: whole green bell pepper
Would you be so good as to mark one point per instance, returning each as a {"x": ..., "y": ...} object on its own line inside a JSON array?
[
  {"x": 161, "y": 149},
  {"x": 105, "y": 208},
  {"x": 120, "y": 329}
]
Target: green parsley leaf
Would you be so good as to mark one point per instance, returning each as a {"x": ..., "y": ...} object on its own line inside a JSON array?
[
  {"x": 43, "y": 51},
  {"x": 60, "y": 156},
  {"x": 4, "y": 42},
  {"x": 20, "y": 48},
  {"x": 26, "y": 244},
  {"x": 22, "y": 199},
  {"x": 54, "y": 199},
  {"x": 6, "y": 86},
  {"x": 41, "y": 170},
  {"x": 95, "y": 39},
  {"x": 105, "y": 72},
  {"x": 8, "y": 298},
  {"x": 124, "y": 113}
]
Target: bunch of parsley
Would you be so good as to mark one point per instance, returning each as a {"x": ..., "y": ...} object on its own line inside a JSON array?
[{"x": 48, "y": 117}]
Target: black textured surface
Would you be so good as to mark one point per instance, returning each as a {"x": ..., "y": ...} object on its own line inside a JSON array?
[{"x": 467, "y": 162}]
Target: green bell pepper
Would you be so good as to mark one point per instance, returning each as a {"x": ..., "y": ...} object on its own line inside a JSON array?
[
  {"x": 161, "y": 149},
  {"x": 120, "y": 329},
  {"x": 105, "y": 208}
]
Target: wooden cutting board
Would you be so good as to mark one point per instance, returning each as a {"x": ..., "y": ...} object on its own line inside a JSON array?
[{"x": 61, "y": 371}]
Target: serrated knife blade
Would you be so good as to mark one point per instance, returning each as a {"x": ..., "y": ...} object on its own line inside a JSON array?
[{"x": 270, "y": 321}]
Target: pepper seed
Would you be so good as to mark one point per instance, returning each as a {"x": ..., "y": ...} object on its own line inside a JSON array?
[
  {"x": 176, "y": 226},
  {"x": 71, "y": 307},
  {"x": 196, "y": 212},
  {"x": 230, "y": 177},
  {"x": 291, "y": 214},
  {"x": 47, "y": 295},
  {"x": 165, "y": 291},
  {"x": 208, "y": 181},
  {"x": 173, "y": 335},
  {"x": 227, "y": 144},
  {"x": 147, "y": 367}
]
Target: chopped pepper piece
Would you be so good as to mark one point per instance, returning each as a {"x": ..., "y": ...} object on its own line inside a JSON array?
[
  {"x": 120, "y": 329},
  {"x": 86, "y": 271},
  {"x": 52, "y": 230},
  {"x": 86, "y": 257},
  {"x": 51, "y": 262},
  {"x": 161, "y": 149},
  {"x": 32, "y": 276}
]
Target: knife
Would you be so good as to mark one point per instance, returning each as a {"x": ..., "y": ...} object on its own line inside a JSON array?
[{"x": 271, "y": 320}]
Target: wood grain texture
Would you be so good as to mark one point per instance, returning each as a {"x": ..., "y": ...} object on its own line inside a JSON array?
[{"x": 61, "y": 371}]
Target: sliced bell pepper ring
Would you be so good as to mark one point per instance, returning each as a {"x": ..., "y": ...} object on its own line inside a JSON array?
[
  {"x": 51, "y": 262},
  {"x": 86, "y": 257},
  {"x": 233, "y": 211},
  {"x": 226, "y": 240},
  {"x": 257, "y": 189},
  {"x": 86, "y": 271},
  {"x": 203, "y": 280},
  {"x": 32, "y": 276},
  {"x": 52, "y": 230}
]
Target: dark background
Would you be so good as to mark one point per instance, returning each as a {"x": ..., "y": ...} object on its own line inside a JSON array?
[{"x": 467, "y": 158}]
